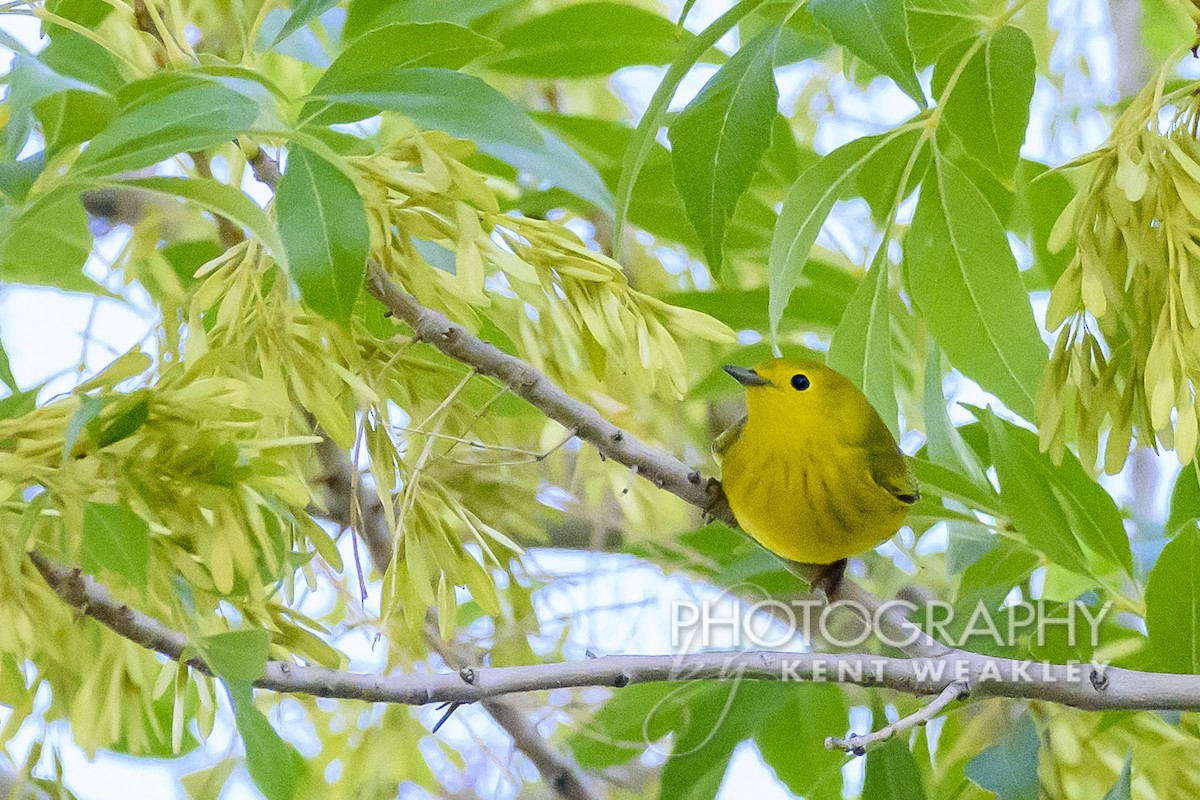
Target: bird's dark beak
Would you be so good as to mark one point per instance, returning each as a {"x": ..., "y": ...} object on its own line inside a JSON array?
[{"x": 745, "y": 376}]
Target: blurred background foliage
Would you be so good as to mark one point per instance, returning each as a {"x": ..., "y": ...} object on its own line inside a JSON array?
[{"x": 985, "y": 213}]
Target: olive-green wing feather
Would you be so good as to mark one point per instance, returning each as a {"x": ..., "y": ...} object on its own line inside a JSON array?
[
  {"x": 722, "y": 442},
  {"x": 889, "y": 467},
  {"x": 893, "y": 473}
]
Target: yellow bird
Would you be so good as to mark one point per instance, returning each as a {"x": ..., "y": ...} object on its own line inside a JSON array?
[{"x": 811, "y": 471}]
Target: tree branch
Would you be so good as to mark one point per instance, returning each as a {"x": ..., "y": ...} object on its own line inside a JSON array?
[
  {"x": 858, "y": 744},
  {"x": 931, "y": 668},
  {"x": 664, "y": 470},
  {"x": 559, "y": 772},
  {"x": 1080, "y": 686}
]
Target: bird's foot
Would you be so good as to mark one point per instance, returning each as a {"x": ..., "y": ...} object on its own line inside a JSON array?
[
  {"x": 830, "y": 578},
  {"x": 717, "y": 505}
]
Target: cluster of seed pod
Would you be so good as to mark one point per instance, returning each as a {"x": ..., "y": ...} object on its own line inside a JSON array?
[
  {"x": 1127, "y": 359},
  {"x": 534, "y": 278}
]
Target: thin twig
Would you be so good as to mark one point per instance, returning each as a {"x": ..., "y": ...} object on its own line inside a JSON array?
[
  {"x": 559, "y": 772},
  {"x": 856, "y": 744}
]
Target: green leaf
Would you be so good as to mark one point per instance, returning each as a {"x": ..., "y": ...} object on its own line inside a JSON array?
[
  {"x": 992, "y": 577},
  {"x": 1123, "y": 788},
  {"x": 943, "y": 441},
  {"x": 303, "y": 12},
  {"x": 554, "y": 161},
  {"x": 808, "y": 203},
  {"x": 218, "y": 198},
  {"x": 820, "y": 301},
  {"x": 133, "y": 411},
  {"x": 800, "y": 37},
  {"x": 718, "y": 140},
  {"x": 987, "y": 109},
  {"x": 438, "y": 99},
  {"x": 949, "y": 483},
  {"x": 34, "y": 78},
  {"x": 18, "y": 404},
  {"x": 875, "y": 31},
  {"x": 1043, "y": 195},
  {"x": 237, "y": 655},
  {"x": 73, "y": 54},
  {"x": 1058, "y": 510},
  {"x": 167, "y": 117},
  {"x": 70, "y": 117},
  {"x": 273, "y": 764},
  {"x": 6, "y": 373},
  {"x": 1173, "y": 605},
  {"x": 1185, "y": 499},
  {"x": 18, "y": 177},
  {"x": 862, "y": 344},
  {"x": 209, "y": 783},
  {"x": 963, "y": 277},
  {"x": 792, "y": 739},
  {"x": 934, "y": 25},
  {"x": 404, "y": 46},
  {"x": 878, "y": 181},
  {"x": 1009, "y": 768},
  {"x": 643, "y": 140},
  {"x": 655, "y": 204},
  {"x": 587, "y": 39},
  {"x": 117, "y": 540},
  {"x": 324, "y": 228},
  {"x": 719, "y": 716},
  {"x": 892, "y": 772},
  {"x": 364, "y": 16},
  {"x": 47, "y": 242},
  {"x": 88, "y": 412},
  {"x": 627, "y": 724}
]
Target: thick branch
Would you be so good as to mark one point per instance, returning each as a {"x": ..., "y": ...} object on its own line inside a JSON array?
[
  {"x": 1072, "y": 685},
  {"x": 666, "y": 471}
]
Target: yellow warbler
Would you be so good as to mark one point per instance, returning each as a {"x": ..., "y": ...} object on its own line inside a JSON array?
[{"x": 811, "y": 471}]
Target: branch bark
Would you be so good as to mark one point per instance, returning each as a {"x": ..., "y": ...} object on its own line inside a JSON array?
[{"x": 1080, "y": 686}]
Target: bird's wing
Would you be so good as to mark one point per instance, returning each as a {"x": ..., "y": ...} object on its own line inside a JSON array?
[
  {"x": 889, "y": 468},
  {"x": 722, "y": 442},
  {"x": 892, "y": 472}
]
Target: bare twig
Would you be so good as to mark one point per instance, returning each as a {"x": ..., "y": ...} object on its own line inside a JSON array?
[{"x": 858, "y": 744}]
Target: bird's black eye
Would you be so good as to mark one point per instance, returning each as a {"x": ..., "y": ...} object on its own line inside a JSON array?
[{"x": 800, "y": 382}]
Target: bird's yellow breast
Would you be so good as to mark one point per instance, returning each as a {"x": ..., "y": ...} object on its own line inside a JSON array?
[{"x": 808, "y": 498}]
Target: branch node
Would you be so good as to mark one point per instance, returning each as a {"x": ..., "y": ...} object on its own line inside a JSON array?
[
  {"x": 694, "y": 477},
  {"x": 618, "y": 437},
  {"x": 622, "y": 680},
  {"x": 1098, "y": 679},
  {"x": 468, "y": 675}
]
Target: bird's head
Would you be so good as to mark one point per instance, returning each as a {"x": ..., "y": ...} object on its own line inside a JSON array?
[{"x": 798, "y": 393}]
